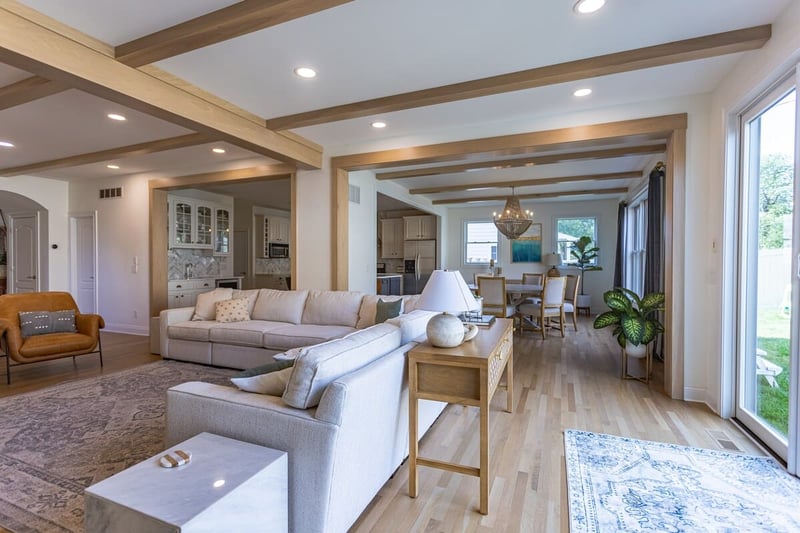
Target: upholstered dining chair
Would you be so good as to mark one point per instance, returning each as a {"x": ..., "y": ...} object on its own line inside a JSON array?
[
  {"x": 571, "y": 297},
  {"x": 532, "y": 278},
  {"x": 493, "y": 292},
  {"x": 550, "y": 306}
]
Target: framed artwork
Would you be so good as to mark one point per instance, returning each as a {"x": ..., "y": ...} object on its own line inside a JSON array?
[{"x": 528, "y": 248}]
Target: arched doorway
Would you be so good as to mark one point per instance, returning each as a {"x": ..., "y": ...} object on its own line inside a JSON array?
[{"x": 23, "y": 244}]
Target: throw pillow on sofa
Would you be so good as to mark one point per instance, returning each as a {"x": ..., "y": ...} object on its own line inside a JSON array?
[
  {"x": 366, "y": 313},
  {"x": 206, "y": 306},
  {"x": 270, "y": 378},
  {"x": 43, "y": 322},
  {"x": 234, "y": 310},
  {"x": 385, "y": 310}
]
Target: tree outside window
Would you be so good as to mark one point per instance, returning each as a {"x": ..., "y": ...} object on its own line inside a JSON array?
[{"x": 569, "y": 230}]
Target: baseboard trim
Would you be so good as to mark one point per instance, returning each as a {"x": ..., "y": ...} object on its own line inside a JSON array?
[
  {"x": 695, "y": 394},
  {"x": 130, "y": 329}
]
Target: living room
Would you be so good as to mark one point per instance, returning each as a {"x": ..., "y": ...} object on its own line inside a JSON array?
[{"x": 334, "y": 249}]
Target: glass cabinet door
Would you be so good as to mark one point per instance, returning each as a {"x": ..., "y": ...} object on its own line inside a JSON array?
[
  {"x": 183, "y": 223},
  {"x": 222, "y": 232},
  {"x": 204, "y": 222}
]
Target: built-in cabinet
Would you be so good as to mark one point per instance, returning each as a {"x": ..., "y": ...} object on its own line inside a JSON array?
[
  {"x": 183, "y": 293},
  {"x": 392, "y": 237},
  {"x": 276, "y": 230},
  {"x": 199, "y": 224},
  {"x": 419, "y": 227}
]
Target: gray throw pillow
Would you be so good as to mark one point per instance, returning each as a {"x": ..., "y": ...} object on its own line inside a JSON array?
[
  {"x": 274, "y": 366},
  {"x": 387, "y": 310},
  {"x": 42, "y": 322}
]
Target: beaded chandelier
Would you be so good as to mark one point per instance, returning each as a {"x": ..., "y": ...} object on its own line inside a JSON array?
[{"x": 513, "y": 221}]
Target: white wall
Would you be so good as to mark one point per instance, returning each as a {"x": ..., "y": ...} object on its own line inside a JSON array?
[
  {"x": 313, "y": 246},
  {"x": 52, "y": 195},
  {"x": 751, "y": 76},
  {"x": 545, "y": 213},
  {"x": 122, "y": 235}
]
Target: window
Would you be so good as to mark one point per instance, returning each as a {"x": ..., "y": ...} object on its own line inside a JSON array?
[
  {"x": 569, "y": 230},
  {"x": 480, "y": 244},
  {"x": 636, "y": 232}
]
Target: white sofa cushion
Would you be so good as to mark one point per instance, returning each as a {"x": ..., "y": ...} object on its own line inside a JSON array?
[
  {"x": 332, "y": 308},
  {"x": 205, "y": 306},
  {"x": 295, "y": 335},
  {"x": 195, "y": 330},
  {"x": 279, "y": 306},
  {"x": 366, "y": 313},
  {"x": 413, "y": 324},
  {"x": 248, "y": 333},
  {"x": 321, "y": 365},
  {"x": 250, "y": 294}
]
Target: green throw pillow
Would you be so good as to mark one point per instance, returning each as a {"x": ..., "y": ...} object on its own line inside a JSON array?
[
  {"x": 387, "y": 310},
  {"x": 265, "y": 369}
]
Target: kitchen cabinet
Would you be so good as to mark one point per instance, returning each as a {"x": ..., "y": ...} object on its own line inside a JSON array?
[
  {"x": 392, "y": 236},
  {"x": 389, "y": 285},
  {"x": 420, "y": 227},
  {"x": 222, "y": 231},
  {"x": 191, "y": 223},
  {"x": 183, "y": 292},
  {"x": 279, "y": 229}
]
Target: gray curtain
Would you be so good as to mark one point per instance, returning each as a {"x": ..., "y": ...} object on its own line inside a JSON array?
[
  {"x": 654, "y": 253},
  {"x": 619, "y": 260}
]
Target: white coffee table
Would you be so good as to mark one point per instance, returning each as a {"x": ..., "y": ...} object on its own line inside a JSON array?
[{"x": 227, "y": 486}]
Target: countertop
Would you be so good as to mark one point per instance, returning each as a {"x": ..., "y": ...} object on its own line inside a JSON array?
[{"x": 383, "y": 276}]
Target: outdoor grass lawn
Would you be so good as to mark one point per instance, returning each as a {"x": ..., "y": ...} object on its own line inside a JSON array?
[{"x": 773, "y": 403}]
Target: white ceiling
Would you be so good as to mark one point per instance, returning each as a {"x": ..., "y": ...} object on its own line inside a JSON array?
[{"x": 373, "y": 48}]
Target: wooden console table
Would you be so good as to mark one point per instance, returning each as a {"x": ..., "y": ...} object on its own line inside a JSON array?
[{"x": 469, "y": 375}]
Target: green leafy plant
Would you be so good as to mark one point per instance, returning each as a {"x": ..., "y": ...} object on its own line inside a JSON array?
[
  {"x": 584, "y": 256},
  {"x": 635, "y": 319}
]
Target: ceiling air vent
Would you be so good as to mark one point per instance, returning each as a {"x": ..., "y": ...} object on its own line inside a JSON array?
[
  {"x": 113, "y": 192},
  {"x": 355, "y": 194}
]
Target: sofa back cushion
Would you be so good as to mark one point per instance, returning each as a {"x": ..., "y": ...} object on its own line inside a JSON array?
[
  {"x": 206, "y": 306},
  {"x": 413, "y": 324},
  {"x": 332, "y": 308},
  {"x": 250, "y": 294},
  {"x": 279, "y": 306},
  {"x": 320, "y": 365}
]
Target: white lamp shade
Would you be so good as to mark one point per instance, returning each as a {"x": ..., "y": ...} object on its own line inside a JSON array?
[
  {"x": 447, "y": 291},
  {"x": 552, "y": 260}
]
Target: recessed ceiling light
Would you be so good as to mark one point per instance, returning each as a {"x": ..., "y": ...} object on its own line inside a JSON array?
[
  {"x": 116, "y": 116},
  {"x": 584, "y": 7},
  {"x": 113, "y": 167},
  {"x": 306, "y": 72},
  {"x": 378, "y": 124},
  {"x": 218, "y": 150},
  {"x": 6, "y": 144},
  {"x": 583, "y": 92}
]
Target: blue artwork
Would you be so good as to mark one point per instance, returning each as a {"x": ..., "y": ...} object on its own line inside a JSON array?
[
  {"x": 621, "y": 484},
  {"x": 528, "y": 248}
]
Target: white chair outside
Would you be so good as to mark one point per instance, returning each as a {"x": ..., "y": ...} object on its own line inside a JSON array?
[
  {"x": 493, "y": 292},
  {"x": 550, "y": 306}
]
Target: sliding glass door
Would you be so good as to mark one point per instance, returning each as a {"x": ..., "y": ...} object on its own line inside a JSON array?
[{"x": 768, "y": 286}]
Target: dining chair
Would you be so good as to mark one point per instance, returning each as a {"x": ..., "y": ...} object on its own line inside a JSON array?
[
  {"x": 476, "y": 275},
  {"x": 550, "y": 306},
  {"x": 571, "y": 297},
  {"x": 493, "y": 292},
  {"x": 532, "y": 278}
]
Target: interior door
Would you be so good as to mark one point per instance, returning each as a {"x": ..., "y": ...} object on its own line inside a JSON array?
[
  {"x": 767, "y": 277},
  {"x": 24, "y": 257},
  {"x": 85, "y": 254}
]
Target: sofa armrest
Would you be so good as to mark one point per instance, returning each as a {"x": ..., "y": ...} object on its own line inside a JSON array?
[
  {"x": 12, "y": 334},
  {"x": 89, "y": 324},
  {"x": 165, "y": 319}
]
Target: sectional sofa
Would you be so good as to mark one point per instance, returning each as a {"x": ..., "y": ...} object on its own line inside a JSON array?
[
  {"x": 279, "y": 321},
  {"x": 342, "y": 418}
]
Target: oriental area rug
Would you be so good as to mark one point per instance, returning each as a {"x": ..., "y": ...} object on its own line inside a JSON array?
[
  {"x": 620, "y": 484},
  {"x": 57, "y": 441}
]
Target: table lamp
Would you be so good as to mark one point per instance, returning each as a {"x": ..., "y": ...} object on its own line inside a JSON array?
[
  {"x": 552, "y": 260},
  {"x": 447, "y": 291}
]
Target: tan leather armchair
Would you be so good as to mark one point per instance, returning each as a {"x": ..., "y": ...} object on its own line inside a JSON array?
[{"x": 37, "y": 348}]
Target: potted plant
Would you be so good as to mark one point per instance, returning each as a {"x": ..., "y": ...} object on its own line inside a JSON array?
[
  {"x": 584, "y": 255},
  {"x": 635, "y": 319}
]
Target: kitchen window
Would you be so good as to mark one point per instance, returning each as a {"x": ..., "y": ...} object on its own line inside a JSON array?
[
  {"x": 569, "y": 230},
  {"x": 480, "y": 242}
]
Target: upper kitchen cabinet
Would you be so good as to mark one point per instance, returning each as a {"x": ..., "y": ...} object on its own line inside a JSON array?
[
  {"x": 279, "y": 229},
  {"x": 420, "y": 227},
  {"x": 222, "y": 231},
  {"x": 191, "y": 223},
  {"x": 392, "y": 236}
]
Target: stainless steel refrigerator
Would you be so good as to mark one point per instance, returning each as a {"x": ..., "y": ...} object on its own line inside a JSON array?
[{"x": 420, "y": 261}]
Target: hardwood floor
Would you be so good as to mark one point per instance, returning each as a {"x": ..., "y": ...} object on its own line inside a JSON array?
[
  {"x": 559, "y": 384},
  {"x": 570, "y": 383}
]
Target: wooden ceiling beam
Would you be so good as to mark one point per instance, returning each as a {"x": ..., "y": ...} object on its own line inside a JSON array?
[
  {"x": 241, "y": 175},
  {"x": 626, "y": 61},
  {"x": 29, "y": 46},
  {"x": 226, "y": 23},
  {"x": 528, "y": 182},
  {"x": 525, "y": 161},
  {"x": 594, "y": 192},
  {"x": 161, "y": 145},
  {"x": 28, "y": 90}
]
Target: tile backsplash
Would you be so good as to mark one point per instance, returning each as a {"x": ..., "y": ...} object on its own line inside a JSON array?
[
  {"x": 204, "y": 264},
  {"x": 273, "y": 266}
]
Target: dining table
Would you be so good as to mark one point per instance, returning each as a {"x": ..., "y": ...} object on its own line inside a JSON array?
[{"x": 522, "y": 289}]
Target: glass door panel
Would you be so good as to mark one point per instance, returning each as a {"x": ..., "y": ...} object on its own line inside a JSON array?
[{"x": 765, "y": 272}]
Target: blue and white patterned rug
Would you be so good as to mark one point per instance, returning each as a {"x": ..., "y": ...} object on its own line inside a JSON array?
[{"x": 620, "y": 484}]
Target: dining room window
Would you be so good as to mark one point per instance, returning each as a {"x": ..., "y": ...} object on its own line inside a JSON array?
[
  {"x": 480, "y": 242},
  {"x": 569, "y": 230}
]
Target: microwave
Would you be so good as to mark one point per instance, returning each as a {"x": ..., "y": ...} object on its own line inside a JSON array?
[{"x": 278, "y": 250}]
